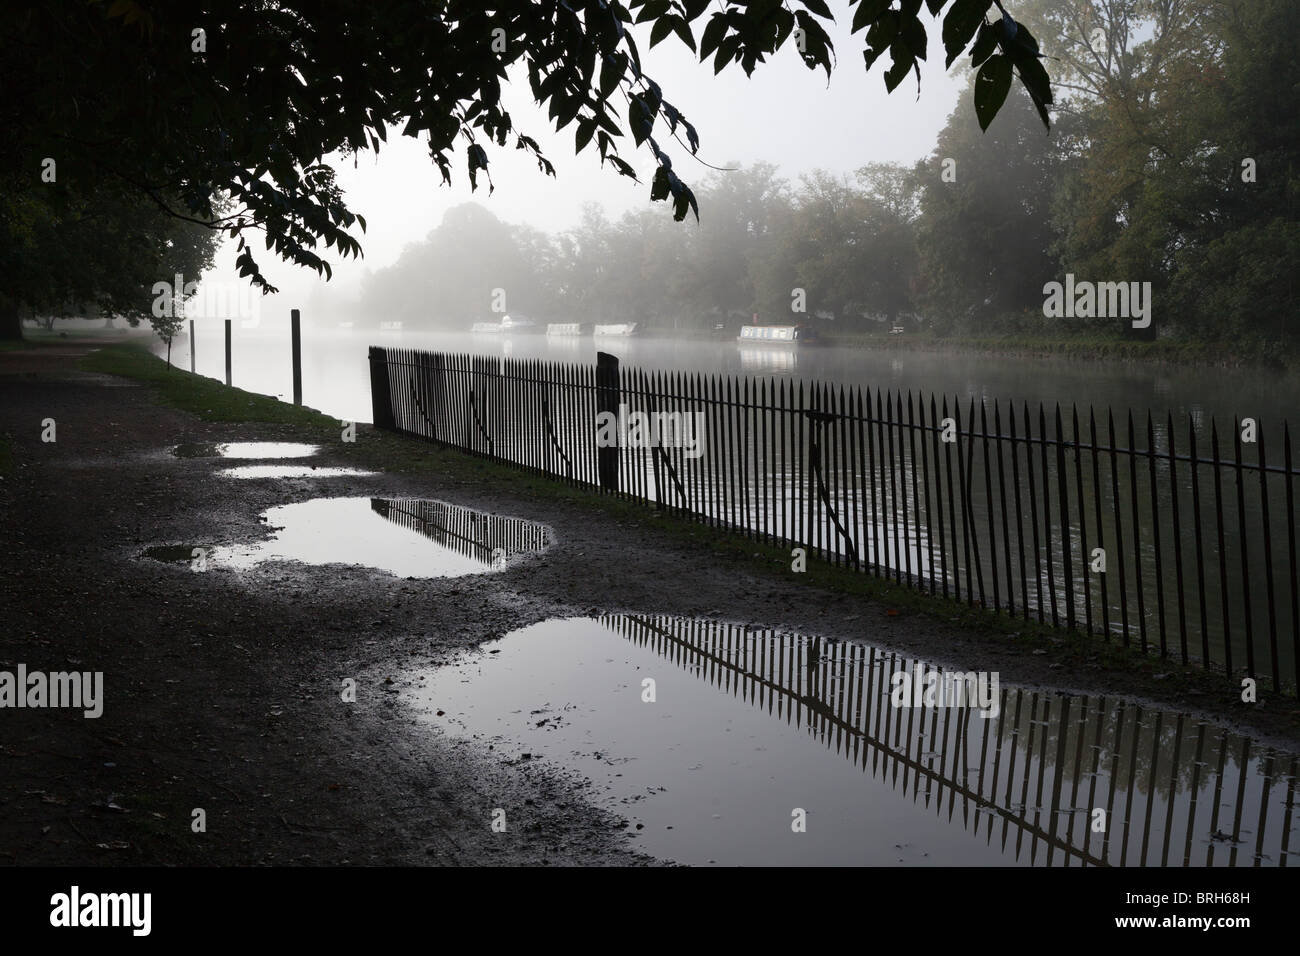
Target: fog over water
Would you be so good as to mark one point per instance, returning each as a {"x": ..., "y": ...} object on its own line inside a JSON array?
[{"x": 336, "y": 370}]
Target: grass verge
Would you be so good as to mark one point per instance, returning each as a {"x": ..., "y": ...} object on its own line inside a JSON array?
[{"x": 204, "y": 397}]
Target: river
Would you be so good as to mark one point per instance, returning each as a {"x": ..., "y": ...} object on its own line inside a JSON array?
[{"x": 336, "y": 372}]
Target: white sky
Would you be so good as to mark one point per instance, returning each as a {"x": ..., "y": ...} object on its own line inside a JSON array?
[{"x": 785, "y": 114}]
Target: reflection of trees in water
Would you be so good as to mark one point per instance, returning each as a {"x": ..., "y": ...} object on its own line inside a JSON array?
[
  {"x": 1032, "y": 775},
  {"x": 486, "y": 538}
]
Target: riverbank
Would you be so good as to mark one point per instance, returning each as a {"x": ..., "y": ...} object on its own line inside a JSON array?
[{"x": 222, "y": 688}]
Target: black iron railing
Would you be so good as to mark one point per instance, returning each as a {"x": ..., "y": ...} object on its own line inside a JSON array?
[{"x": 1061, "y": 516}]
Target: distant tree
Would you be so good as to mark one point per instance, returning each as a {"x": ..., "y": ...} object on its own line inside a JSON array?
[
  {"x": 166, "y": 326},
  {"x": 745, "y": 204},
  {"x": 986, "y": 237},
  {"x": 587, "y": 273},
  {"x": 853, "y": 243},
  {"x": 470, "y": 268}
]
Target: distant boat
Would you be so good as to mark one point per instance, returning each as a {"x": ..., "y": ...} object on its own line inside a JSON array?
[
  {"x": 345, "y": 325},
  {"x": 567, "y": 328},
  {"x": 518, "y": 325},
  {"x": 776, "y": 335},
  {"x": 620, "y": 328},
  {"x": 486, "y": 327}
]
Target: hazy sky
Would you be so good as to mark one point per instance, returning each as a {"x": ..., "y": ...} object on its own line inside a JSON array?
[{"x": 785, "y": 114}]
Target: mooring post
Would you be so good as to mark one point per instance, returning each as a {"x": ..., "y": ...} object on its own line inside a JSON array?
[
  {"x": 295, "y": 333},
  {"x": 607, "y": 401},
  {"x": 191, "y": 345},
  {"x": 381, "y": 400},
  {"x": 227, "y": 351}
]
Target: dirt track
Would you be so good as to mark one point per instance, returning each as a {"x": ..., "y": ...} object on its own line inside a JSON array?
[{"x": 222, "y": 688}]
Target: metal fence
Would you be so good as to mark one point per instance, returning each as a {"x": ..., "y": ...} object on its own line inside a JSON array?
[{"x": 1059, "y": 516}]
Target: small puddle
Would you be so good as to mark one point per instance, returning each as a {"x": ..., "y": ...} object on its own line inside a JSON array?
[
  {"x": 173, "y": 553},
  {"x": 748, "y": 727},
  {"x": 406, "y": 537},
  {"x": 245, "y": 449},
  {"x": 292, "y": 471}
]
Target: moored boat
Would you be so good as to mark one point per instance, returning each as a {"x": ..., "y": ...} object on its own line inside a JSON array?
[
  {"x": 568, "y": 328},
  {"x": 619, "y": 328},
  {"x": 784, "y": 335},
  {"x": 518, "y": 325}
]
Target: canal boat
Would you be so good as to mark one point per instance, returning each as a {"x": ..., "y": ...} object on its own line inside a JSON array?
[
  {"x": 567, "y": 329},
  {"x": 520, "y": 326},
  {"x": 620, "y": 329},
  {"x": 782, "y": 335}
]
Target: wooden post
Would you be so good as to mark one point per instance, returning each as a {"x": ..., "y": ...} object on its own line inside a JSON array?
[
  {"x": 607, "y": 401},
  {"x": 295, "y": 332},
  {"x": 191, "y": 345},
  {"x": 381, "y": 400},
  {"x": 227, "y": 351}
]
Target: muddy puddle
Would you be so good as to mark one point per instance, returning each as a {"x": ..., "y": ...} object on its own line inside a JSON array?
[
  {"x": 746, "y": 737},
  {"x": 293, "y": 471},
  {"x": 249, "y": 450},
  {"x": 405, "y": 537},
  {"x": 174, "y": 553}
]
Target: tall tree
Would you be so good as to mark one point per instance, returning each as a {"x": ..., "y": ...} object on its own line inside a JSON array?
[{"x": 986, "y": 232}]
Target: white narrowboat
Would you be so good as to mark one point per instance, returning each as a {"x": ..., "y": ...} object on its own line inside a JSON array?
[
  {"x": 776, "y": 335},
  {"x": 620, "y": 328},
  {"x": 567, "y": 329}
]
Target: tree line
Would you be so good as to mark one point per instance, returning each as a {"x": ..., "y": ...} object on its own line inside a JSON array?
[{"x": 1170, "y": 161}]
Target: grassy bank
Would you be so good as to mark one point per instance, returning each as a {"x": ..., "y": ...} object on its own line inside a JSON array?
[
  {"x": 204, "y": 397},
  {"x": 213, "y": 401}
]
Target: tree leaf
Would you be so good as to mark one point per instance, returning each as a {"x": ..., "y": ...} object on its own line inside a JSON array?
[
  {"x": 985, "y": 43},
  {"x": 991, "y": 86},
  {"x": 586, "y": 129},
  {"x": 867, "y": 12},
  {"x": 960, "y": 24},
  {"x": 663, "y": 26}
]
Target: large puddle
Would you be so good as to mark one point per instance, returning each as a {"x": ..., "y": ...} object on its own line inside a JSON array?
[
  {"x": 751, "y": 732},
  {"x": 293, "y": 471},
  {"x": 249, "y": 450},
  {"x": 406, "y": 537}
]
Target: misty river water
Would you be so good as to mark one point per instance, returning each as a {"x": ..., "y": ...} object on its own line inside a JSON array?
[{"x": 336, "y": 371}]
